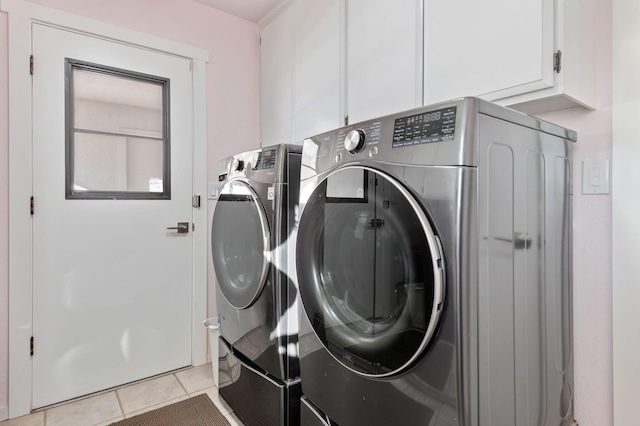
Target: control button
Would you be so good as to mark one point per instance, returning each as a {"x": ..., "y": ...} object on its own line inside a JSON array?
[
  {"x": 338, "y": 157},
  {"x": 354, "y": 141},
  {"x": 373, "y": 152}
]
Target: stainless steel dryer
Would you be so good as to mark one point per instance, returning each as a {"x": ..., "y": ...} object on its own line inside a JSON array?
[
  {"x": 434, "y": 266},
  {"x": 256, "y": 300}
]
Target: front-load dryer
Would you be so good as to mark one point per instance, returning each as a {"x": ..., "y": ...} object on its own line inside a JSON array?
[
  {"x": 256, "y": 298},
  {"x": 434, "y": 266}
]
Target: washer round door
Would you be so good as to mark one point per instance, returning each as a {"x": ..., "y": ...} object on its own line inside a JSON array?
[
  {"x": 370, "y": 271},
  {"x": 239, "y": 241}
]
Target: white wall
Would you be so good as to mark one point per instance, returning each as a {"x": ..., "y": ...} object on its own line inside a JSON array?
[
  {"x": 4, "y": 216},
  {"x": 625, "y": 208},
  {"x": 232, "y": 79}
]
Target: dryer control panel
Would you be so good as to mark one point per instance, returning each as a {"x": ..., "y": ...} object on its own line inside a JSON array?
[{"x": 428, "y": 127}]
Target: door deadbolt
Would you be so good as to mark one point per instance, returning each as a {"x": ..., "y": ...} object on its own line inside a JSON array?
[{"x": 182, "y": 228}]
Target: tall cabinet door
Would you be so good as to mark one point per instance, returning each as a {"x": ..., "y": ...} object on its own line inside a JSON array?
[
  {"x": 493, "y": 48},
  {"x": 317, "y": 77},
  {"x": 276, "y": 49},
  {"x": 383, "y": 57}
]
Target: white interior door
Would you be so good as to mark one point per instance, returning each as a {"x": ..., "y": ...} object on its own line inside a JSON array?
[{"x": 112, "y": 286}]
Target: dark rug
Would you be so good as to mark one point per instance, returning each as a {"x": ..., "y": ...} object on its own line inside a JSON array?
[{"x": 196, "y": 411}]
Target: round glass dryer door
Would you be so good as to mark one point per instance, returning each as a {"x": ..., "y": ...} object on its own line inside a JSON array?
[
  {"x": 239, "y": 241},
  {"x": 369, "y": 271}
]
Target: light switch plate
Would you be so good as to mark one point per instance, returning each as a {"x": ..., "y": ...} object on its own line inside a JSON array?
[{"x": 596, "y": 176}]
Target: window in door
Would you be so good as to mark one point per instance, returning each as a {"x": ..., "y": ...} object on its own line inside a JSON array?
[{"x": 117, "y": 133}]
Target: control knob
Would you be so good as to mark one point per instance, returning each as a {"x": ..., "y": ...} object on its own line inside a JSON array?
[
  {"x": 354, "y": 141},
  {"x": 237, "y": 165}
]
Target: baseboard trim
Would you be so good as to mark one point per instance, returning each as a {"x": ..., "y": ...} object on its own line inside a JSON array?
[{"x": 4, "y": 413}]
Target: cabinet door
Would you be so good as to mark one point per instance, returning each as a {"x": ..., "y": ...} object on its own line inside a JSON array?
[
  {"x": 491, "y": 48},
  {"x": 383, "y": 57},
  {"x": 317, "y": 67},
  {"x": 276, "y": 76}
]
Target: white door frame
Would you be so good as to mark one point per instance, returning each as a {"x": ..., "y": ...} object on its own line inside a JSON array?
[{"x": 21, "y": 15}]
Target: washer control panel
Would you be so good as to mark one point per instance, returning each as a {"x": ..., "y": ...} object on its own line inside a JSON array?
[{"x": 266, "y": 160}]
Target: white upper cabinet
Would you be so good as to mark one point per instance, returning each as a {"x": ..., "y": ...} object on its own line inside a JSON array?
[
  {"x": 383, "y": 57},
  {"x": 503, "y": 51},
  {"x": 276, "y": 72},
  {"x": 316, "y": 79},
  {"x": 326, "y": 60}
]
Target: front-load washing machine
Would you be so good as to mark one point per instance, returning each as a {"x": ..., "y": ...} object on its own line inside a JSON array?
[
  {"x": 434, "y": 267},
  {"x": 256, "y": 299}
]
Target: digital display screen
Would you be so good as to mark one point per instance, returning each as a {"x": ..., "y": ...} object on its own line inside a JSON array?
[
  {"x": 266, "y": 160},
  {"x": 428, "y": 127}
]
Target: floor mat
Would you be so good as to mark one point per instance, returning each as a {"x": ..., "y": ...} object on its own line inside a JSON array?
[{"x": 196, "y": 411}]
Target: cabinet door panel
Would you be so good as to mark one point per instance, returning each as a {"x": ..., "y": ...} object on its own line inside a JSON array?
[
  {"x": 317, "y": 67},
  {"x": 494, "y": 48},
  {"x": 383, "y": 57},
  {"x": 276, "y": 74}
]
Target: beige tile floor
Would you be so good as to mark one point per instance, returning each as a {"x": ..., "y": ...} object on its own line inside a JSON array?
[{"x": 109, "y": 407}]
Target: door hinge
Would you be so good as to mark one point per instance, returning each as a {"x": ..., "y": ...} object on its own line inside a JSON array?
[
  {"x": 31, "y": 64},
  {"x": 32, "y": 205},
  {"x": 346, "y": 120},
  {"x": 31, "y": 346},
  {"x": 557, "y": 61}
]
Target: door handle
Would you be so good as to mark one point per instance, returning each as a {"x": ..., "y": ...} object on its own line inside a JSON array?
[{"x": 182, "y": 228}]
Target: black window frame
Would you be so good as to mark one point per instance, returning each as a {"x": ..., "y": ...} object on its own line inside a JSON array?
[{"x": 70, "y": 193}]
